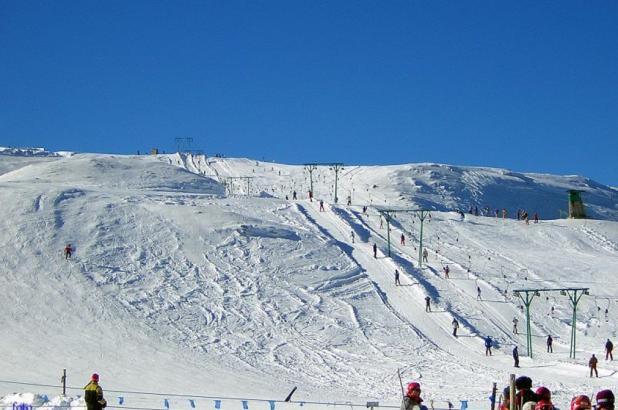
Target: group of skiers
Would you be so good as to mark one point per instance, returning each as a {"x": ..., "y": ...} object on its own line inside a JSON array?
[
  {"x": 522, "y": 214},
  {"x": 540, "y": 399}
]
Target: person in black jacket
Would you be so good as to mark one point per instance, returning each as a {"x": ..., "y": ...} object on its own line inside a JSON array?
[
  {"x": 609, "y": 346},
  {"x": 93, "y": 394},
  {"x": 516, "y": 356}
]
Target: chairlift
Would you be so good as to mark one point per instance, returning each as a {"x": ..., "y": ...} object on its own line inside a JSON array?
[{"x": 563, "y": 292}]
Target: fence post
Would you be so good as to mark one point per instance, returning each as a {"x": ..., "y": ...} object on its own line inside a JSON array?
[{"x": 63, "y": 379}]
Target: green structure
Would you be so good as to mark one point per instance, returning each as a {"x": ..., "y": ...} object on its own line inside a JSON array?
[
  {"x": 334, "y": 166},
  {"x": 576, "y": 205},
  {"x": 422, "y": 214},
  {"x": 574, "y": 294}
]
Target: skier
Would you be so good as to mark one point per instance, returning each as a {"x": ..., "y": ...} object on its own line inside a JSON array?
[
  {"x": 488, "y": 346},
  {"x": 504, "y": 214},
  {"x": 375, "y": 251},
  {"x": 609, "y": 346},
  {"x": 381, "y": 222},
  {"x": 515, "y": 321},
  {"x": 310, "y": 196},
  {"x": 294, "y": 195},
  {"x": 94, "y": 394},
  {"x": 397, "y": 283},
  {"x": 403, "y": 240},
  {"x": 476, "y": 211},
  {"x": 605, "y": 400},
  {"x": 550, "y": 342},
  {"x": 352, "y": 236},
  {"x": 427, "y": 304},
  {"x": 592, "y": 363},
  {"x": 606, "y": 315},
  {"x": 446, "y": 271},
  {"x": 536, "y": 217},
  {"x": 515, "y": 357},
  {"x": 364, "y": 210},
  {"x": 68, "y": 251},
  {"x": 478, "y": 293},
  {"x": 455, "y": 324},
  {"x": 412, "y": 400},
  {"x": 581, "y": 402},
  {"x": 349, "y": 200},
  {"x": 321, "y": 205},
  {"x": 425, "y": 255}
]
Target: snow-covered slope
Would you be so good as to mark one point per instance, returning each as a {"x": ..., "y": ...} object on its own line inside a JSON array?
[{"x": 176, "y": 287}]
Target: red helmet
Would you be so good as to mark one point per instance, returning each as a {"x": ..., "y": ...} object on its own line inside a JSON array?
[
  {"x": 94, "y": 377},
  {"x": 412, "y": 387},
  {"x": 543, "y": 393},
  {"x": 544, "y": 405},
  {"x": 581, "y": 402}
]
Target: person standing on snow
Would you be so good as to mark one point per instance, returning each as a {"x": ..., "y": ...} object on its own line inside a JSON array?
[
  {"x": 427, "y": 304},
  {"x": 515, "y": 321},
  {"x": 550, "y": 342},
  {"x": 515, "y": 357},
  {"x": 294, "y": 195},
  {"x": 352, "y": 236},
  {"x": 403, "y": 240},
  {"x": 592, "y": 363},
  {"x": 412, "y": 400},
  {"x": 488, "y": 343},
  {"x": 93, "y": 394},
  {"x": 375, "y": 251},
  {"x": 68, "y": 251},
  {"x": 425, "y": 255},
  {"x": 609, "y": 346},
  {"x": 397, "y": 283},
  {"x": 455, "y": 324},
  {"x": 310, "y": 196},
  {"x": 446, "y": 271},
  {"x": 321, "y": 205},
  {"x": 478, "y": 293}
]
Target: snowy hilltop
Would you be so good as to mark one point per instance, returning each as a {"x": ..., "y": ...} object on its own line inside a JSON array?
[{"x": 205, "y": 277}]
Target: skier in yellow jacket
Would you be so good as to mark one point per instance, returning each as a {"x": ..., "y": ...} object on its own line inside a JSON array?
[{"x": 94, "y": 394}]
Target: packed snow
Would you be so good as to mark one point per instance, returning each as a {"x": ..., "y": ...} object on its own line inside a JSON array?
[{"x": 195, "y": 276}]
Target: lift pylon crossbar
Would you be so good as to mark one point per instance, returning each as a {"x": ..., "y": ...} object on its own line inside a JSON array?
[
  {"x": 421, "y": 213},
  {"x": 229, "y": 181},
  {"x": 312, "y": 166},
  {"x": 572, "y": 293}
]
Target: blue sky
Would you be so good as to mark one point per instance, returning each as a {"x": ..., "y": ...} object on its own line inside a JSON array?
[{"x": 526, "y": 85}]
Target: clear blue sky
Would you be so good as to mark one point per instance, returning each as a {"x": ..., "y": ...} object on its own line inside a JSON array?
[{"x": 525, "y": 85}]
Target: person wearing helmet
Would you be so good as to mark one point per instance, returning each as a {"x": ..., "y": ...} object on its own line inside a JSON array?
[
  {"x": 94, "y": 394},
  {"x": 543, "y": 405},
  {"x": 523, "y": 384},
  {"x": 605, "y": 400},
  {"x": 581, "y": 402},
  {"x": 543, "y": 394},
  {"x": 412, "y": 400}
]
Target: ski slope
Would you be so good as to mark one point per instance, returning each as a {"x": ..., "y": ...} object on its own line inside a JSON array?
[{"x": 183, "y": 283}]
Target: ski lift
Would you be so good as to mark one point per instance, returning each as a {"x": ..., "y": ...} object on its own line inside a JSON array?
[
  {"x": 563, "y": 292},
  {"x": 537, "y": 293}
]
